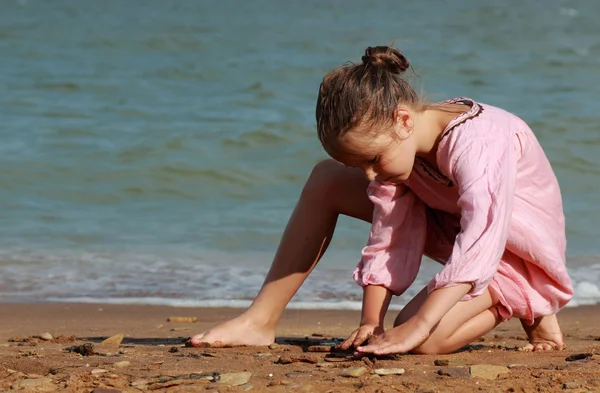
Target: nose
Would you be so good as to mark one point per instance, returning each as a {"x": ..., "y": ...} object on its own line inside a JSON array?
[{"x": 369, "y": 173}]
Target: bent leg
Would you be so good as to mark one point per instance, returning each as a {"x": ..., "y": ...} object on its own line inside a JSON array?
[
  {"x": 464, "y": 323},
  {"x": 332, "y": 189}
]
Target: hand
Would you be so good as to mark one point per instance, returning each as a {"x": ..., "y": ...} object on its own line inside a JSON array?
[
  {"x": 361, "y": 335},
  {"x": 400, "y": 339}
]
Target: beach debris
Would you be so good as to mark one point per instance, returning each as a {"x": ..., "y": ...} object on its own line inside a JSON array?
[
  {"x": 273, "y": 346},
  {"x": 113, "y": 340},
  {"x": 45, "y": 336},
  {"x": 451, "y": 362},
  {"x": 354, "y": 372},
  {"x": 86, "y": 349},
  {"x": 487, "y": 371},
  {"x": 579, "y": 357},
  {"x": 182, "y": 319},
  {"x": 35, "y": 385},
  {"x": 455, "y": 372},
  {"x": 320, "y": 348},
  {"x": 297, "y": 358},
  {"x": 122, "y": 364},
  {"x": 173, "y": 349},
  {"x": 389, "y": 371}
]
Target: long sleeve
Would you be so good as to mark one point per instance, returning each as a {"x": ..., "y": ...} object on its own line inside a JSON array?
[
  {"x": 393, "y": 253},
  {"x": 485, "y": 171}
]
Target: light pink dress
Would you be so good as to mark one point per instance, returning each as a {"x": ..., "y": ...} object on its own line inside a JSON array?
[{"x": 492, "y": 215}]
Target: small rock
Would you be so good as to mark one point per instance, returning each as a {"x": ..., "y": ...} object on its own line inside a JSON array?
[
  {"x": 515, "y": 365},
  {"x": 235, "y": 379},
  {"x": 451, "y": 362},
  {"x": 140, "y": 383},
  {"x": 295, "y": 374},
  {"x": 273, "y": 346},
  {"x": 320, "y": 348},
  {"x": 113, "y": 340},
  {"x": 182, "y": 319},
  {"x": 98, "y": 371},
  {"x": 35, "y": 385},
  {"x": 46, "y": 336},
  {"x": 579, "y": 356},
  {"x": 122, "y": 364},
  {"x": 573, "y": 385},
  {"x": 262, "y": 354},
  {"x": 389, "y": 371},
  {"x": 487, "y": 371},
  {"x": 354, "y": 372},
  {"x": 295, "y": 358},
  {"x": 455, "y": 372}
]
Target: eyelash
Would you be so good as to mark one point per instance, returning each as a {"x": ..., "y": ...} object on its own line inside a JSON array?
[{"x": 373, "y": 160}]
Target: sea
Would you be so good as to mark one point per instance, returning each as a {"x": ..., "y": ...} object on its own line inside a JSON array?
[{"x": 152, "y": 151}]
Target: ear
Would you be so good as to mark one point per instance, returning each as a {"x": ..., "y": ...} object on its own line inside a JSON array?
[{"x": 403, "y": 122}]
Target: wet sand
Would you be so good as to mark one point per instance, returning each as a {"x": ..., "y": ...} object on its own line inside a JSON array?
[{"x": 152, "y": 357}]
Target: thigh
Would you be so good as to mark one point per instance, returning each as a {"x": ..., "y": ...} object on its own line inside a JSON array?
[
  {"x": 343, "y": 188},
  {"x": 458, "y": 315}
]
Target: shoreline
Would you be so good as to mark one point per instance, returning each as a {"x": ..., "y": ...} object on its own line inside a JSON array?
[{"x": 152, "y": 350}]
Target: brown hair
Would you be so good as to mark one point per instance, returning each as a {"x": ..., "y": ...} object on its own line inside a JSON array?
[{"x": 363, "y": 94}]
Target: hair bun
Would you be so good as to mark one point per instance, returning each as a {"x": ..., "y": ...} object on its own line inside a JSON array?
[{"x": 389, "y": 58}]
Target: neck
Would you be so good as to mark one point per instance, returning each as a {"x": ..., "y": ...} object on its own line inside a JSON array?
[{"x": 433, "y": 122}]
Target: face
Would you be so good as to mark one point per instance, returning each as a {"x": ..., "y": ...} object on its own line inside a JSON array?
[{"x": 385, "y": 158}]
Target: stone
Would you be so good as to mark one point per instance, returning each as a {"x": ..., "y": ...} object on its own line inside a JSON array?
[
  {"x": 140, "y": 383},
  {"x": 354, "y": 372},
  {"x": 113, "y": 341},
  {"x": 98, "y": 371},
  {"x": 122, "y": 364},
  {"x": 274, "y": 346},
  {"x": 573, "y": 385},
  {"x": 389, "y": 371},
  {"x": 35, "y": 385},
  {"x": 46, "y": 336},
  {"x": 488, "y": 371},
  {"x": 515, "y": 365},
  {"x": 451, "y": 362},
  {"x": 235, "y": 379},
  {"x": 297, "y": 358},
  {"x": 456, "y": 372}
]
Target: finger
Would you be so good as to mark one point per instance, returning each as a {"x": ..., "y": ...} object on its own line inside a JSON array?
[
  {"x": 361, "y": 338},
  {"x": 348, "y": 342}
]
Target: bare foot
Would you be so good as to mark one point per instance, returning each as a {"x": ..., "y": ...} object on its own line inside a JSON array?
[
  {"x": 544, "y": 335},
  {"x": 236, "y": 332}
]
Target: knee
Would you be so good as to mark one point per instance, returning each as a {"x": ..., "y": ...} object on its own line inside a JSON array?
[{"x": 322, "y": 178}]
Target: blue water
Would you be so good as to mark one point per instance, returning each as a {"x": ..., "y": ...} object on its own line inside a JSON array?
[{"x": 152, "y": 151}]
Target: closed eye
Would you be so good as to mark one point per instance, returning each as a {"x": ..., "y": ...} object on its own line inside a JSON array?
[{"x": 373, "y": 160}]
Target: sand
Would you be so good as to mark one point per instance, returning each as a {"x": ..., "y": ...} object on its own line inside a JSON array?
[{"x": 151, "y": 356}]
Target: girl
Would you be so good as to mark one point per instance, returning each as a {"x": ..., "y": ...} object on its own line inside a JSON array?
[{"x": 465, "y": 183}]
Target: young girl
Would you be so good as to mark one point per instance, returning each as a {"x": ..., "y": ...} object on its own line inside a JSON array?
[{"x": 465, "y": 183}]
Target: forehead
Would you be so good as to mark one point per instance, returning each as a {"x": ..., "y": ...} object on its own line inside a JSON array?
[{"x": 355, "y": 147}]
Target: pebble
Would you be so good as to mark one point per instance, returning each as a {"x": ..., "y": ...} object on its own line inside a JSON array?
[
  {"x": 487, "y": 371},
  {"x": 35, "y": 385},
  {"x": 263, "y": 354},
  {"x": 516, "y": 365},
  {"x": 573, "y": 385},
  {"x": 182, "y": 319},
  {"x": 451, "y": 362},
  {"x": 98, "y": 371},
  {"x": 46, "y": 336},
  {"x": 389, "y": 371},
  {"x": 354, "y": 372},
  {"x": 579, "y": 356},
  {"x": 122, "y": 364},
  {"x": 294, "y": 358},
  {"x": 273, "y": 346},
  {"x": 455, "y": 372},
  {"x": 235, "y": 379}
]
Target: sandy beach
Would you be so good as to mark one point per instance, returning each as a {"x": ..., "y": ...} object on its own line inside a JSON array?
[{"x": 152, "y": 355}]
